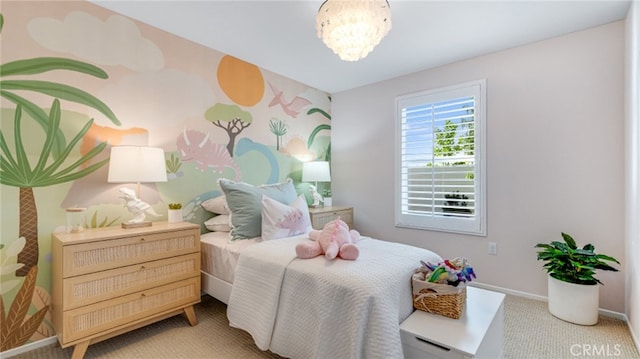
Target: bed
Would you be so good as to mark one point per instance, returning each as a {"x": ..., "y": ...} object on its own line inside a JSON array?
[
  {"x": 303, "y": 308},
  {"x": 313, "y": 308}
]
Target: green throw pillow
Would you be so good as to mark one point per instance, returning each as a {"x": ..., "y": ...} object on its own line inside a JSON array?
[{"x": 245, "y": 204}]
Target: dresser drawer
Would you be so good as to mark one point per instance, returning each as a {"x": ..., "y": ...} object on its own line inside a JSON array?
[
  {"x": 96, "y": 287},
  {"x": 127, "y": 310},
  {"x": 100, "y": 255}
]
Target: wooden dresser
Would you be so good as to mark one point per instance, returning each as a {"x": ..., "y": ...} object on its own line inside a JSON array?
[
  {"x": 322, "y": 215},
  {"x": 108, "y": 281}
]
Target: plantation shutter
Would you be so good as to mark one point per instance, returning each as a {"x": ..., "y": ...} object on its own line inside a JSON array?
[{"x": 439, "y": 177}]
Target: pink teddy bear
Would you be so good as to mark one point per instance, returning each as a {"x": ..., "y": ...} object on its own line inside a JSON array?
[{"x": 334, "y": 240}]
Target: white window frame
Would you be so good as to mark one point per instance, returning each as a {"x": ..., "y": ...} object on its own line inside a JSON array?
[{"x": 475, "y": 224}]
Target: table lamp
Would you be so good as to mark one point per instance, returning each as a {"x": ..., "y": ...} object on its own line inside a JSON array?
[
  {"x": 136, "y": 164},
  {"x": 316, "y": 171}
]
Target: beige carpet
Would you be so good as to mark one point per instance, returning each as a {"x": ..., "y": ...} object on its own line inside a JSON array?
[{"x": 530, "y": 332}]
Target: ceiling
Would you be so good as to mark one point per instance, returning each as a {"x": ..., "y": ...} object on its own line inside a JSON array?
[{"x": 280, "y": 36}]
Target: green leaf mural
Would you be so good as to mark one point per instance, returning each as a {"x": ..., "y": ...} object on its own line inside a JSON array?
[{"x": 312, "y": 136}]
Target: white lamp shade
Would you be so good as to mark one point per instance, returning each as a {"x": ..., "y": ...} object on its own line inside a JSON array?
[
  {"x": 316, "y": 171},
  {"x": 136, "y": 164}
]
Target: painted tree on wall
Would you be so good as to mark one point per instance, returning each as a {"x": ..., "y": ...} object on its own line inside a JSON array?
[
  {"x": 279, "y": 129},
  {"x": 230, "y": 118},
  {"x": 16, "y": 171}
]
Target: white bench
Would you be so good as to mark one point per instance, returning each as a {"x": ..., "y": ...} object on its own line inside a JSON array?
[{"x": 479, "y": 333}]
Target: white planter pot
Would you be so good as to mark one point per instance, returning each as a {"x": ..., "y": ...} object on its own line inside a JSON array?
[
  {"x": 327, "y": 202},
  {"x": 574, "y": 303},
  {"x": 175, "y": 215}
]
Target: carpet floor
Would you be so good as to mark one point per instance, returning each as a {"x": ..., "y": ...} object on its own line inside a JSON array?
[{"x": 530, "y": 333}]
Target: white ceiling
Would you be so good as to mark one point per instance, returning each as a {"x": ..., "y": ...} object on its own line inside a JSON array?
[{"x": 280, "y": 36}]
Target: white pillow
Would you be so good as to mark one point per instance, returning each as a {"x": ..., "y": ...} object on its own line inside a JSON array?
[
  {"x": 219, "y": 223},
  {"x": 217, "y": 205},
  {"x": 280, "y": 220}
]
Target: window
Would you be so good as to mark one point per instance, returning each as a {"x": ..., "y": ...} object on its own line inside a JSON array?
[{"x": 440, "y": 159}]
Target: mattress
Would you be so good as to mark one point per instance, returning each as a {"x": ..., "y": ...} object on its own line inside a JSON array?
[{"x": 220, "y": 256}]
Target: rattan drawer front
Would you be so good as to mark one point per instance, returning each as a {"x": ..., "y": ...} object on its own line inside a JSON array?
[
  {"x": 95, "y": 287},
  {"x": 127, "y": 310},
  {"x": 97, "y": 256},
  {"x": 320, "y": 219}
]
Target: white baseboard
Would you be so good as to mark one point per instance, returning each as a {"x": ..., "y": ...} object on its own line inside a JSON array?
[
  {"x": 28, "y": 347},
  {"x": 517, "y": 293},
  {"x": 634, "y": 336}
]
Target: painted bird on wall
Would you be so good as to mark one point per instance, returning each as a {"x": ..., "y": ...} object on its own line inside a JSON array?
[{"x": 292, "y": 108}]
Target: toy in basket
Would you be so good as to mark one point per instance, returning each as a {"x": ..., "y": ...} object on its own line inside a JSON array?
[{"x": 442, "y": 288}]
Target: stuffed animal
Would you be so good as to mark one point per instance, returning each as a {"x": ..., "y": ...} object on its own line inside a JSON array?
[{"x": 334, "y": 240}]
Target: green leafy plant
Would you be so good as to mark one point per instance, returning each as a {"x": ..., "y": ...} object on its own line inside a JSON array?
[
  {"x": 175, "y": 206},
  {"x": 566, "y": 262}
]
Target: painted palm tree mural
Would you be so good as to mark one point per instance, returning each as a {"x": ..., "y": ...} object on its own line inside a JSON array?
[{"x": 50, "y": 168}]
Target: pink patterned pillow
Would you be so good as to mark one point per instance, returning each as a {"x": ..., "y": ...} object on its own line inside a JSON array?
[{"x": 280, "y": 220}]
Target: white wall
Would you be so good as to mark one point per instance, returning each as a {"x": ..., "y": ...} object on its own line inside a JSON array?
[
  {"x": 555, "y": 156},
  {"x": 632, "y": 150}
]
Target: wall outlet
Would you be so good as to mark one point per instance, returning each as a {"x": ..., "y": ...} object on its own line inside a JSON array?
[{"x": 493, "y": 248}]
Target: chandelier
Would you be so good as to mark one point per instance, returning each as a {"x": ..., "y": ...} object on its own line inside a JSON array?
[{"x": 353, "y": 28}]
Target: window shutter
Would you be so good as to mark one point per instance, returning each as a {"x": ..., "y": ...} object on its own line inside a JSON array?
[{"x": 439, "y": 183}]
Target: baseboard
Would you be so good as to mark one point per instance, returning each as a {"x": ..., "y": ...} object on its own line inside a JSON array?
[
  {"x": 634, "y": 336},
  {"x": 28, "y": 347},
  {"x": 517, "y": 293}
]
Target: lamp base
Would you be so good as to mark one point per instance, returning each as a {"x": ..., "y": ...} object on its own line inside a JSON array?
[{"x": 136, "y": 225}]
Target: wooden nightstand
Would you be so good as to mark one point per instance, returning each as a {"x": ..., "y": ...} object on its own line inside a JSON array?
[
  {"x": 321, "y": 215},
  {"x": 108, "y": 281}
]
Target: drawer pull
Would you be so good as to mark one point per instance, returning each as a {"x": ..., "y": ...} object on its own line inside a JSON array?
[
  {"x": 142, "y": 239},
  {"x": 142, "y": 295},
  {"x": 434, "y": 344},
  {"x": 143, "y": 267}
]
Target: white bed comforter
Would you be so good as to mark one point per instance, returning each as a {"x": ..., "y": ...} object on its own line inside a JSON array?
[{"x": 314, "y": 308}]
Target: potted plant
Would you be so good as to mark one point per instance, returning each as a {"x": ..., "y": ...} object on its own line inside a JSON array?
[
  {"x": 456, "y": 203},
  {"x": 175, "y": 212},
  {"x": 572, "y": 286},
  {"x": 327, "y": 201}
]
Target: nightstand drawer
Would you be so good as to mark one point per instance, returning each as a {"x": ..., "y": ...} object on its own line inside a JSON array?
[
  {"x": 96, "y": 287},
  {"x": 98, "y": 256},
  {"x": 126, "y": 310}
]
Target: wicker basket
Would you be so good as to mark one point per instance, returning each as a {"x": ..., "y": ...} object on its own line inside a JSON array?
[{"x": 437, "y": 298}]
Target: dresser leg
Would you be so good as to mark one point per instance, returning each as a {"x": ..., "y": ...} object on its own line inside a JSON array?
[
  {"x": 191, "y": 315},
  {"x": 79, "y": 350}
]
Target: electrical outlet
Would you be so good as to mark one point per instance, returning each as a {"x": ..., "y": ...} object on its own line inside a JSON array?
[{"x": 493, "y": 248}]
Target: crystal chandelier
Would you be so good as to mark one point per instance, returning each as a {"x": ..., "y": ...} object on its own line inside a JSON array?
[{"x": 353, "y": 28}]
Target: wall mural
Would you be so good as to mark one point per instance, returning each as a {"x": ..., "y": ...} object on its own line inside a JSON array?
[{"x": 77, "y": 79}]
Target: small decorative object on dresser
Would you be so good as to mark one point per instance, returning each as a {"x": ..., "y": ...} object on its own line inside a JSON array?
[
  {"x": 323, "y": 215},
  {"x": 175, "y": 213},
  {"x": 108, "y": 281}
]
